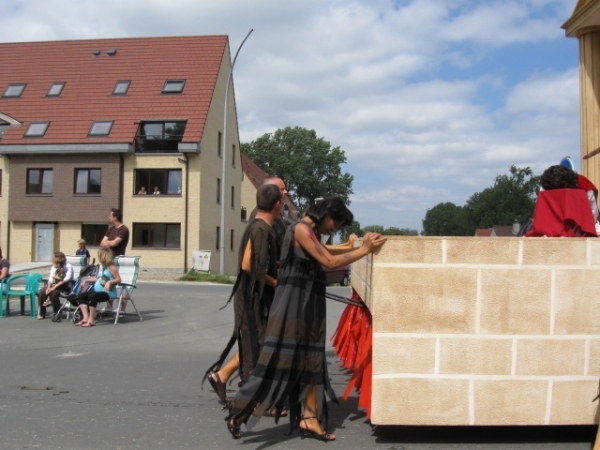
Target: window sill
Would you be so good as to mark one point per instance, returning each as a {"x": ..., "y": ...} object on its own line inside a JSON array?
[
  {"x": 87, "y": 195},
  {"x": 39, "y": 195}
]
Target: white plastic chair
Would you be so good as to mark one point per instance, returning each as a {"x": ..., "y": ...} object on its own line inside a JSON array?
[{"x": 129, "y": 268}]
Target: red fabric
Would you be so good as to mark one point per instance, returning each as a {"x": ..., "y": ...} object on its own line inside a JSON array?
[
  {"x": 559, "y": 211},
  {"x": 586, "y": 185},
  {"x": 353, "y": 342}
]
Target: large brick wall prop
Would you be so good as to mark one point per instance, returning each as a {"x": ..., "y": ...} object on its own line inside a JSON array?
[{"x": 483, "y": 331}]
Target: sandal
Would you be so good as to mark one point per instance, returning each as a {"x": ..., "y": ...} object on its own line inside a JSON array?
[
  {"x": 234, "y": 429},
  {"x": 47, "y": 303},
  {"x": 80, "y": 323},
  {"x": 218, "y": 386},
  {"x": 87, "y": 325},
  {"x": 305, "y": 432},
  {"x": 272, "y": 412}
]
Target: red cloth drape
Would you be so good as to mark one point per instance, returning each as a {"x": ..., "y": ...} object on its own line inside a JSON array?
[
  {"x": 559, "y": 211},
  {"x": 353, "y": 342}
]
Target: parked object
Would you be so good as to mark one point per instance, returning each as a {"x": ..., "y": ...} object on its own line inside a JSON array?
[{"x": 340, "y": 275}]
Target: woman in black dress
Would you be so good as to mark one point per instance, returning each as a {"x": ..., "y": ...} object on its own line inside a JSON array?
[{"x": 291, "y": 368}]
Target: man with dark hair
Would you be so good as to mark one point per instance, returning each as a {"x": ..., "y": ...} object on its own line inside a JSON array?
[
  {"x": 117, "y": 235},
  {"x": 252, "y": 292}
]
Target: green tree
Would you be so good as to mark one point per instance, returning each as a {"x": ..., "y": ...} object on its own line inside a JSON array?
[
  {"x": 511, "y": 198},
  {"x": 445, "y": 219},
  {"x": 354, "y": 228},
  {"x": 310, "y": 166},
  {"x": 373, "y": 229},
  {"x": 394, "y": 231}
]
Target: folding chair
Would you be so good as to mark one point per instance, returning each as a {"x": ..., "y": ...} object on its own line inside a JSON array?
[
  {"x": 129, "y": 268},
  {"x": 32, "y": 285}
]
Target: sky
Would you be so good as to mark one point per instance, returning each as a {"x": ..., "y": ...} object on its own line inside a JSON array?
[{"x": 429, "y": 99}]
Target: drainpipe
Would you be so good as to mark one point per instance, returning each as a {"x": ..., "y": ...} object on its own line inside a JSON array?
[{"x": 186, "y": 161}]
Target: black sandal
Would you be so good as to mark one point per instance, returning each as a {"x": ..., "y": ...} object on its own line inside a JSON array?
[
  {"x": 218, "y": 386},
  {"x": 234, "y": 429},
  {"x": 305, "y": 432}
]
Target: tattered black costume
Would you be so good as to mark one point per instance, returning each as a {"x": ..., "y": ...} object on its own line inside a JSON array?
[
  {"x": 252, "y": 297},
  {"x": 293, "y": 352}
]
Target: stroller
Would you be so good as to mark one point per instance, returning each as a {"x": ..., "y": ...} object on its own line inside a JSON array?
[{"x": 71, "y": 310}]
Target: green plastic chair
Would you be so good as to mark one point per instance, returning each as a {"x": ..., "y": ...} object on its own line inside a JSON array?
[{"x": 32, "y": 285}]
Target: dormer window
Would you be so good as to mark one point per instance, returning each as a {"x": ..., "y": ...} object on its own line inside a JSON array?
[
  {"x": 121, "y": 87},
  {"x": 101, "y": 128},
  {"x": 173, "y": 87},
  {"x": 14, "y": 90},
  {"x": 55, "y": 89},
  {"x": 160, "y": 137},
  {"x": 36, "y": 129}
]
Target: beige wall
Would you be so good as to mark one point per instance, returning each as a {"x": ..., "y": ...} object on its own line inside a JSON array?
[
  {"x": 471, "y": 331},
  {"x": 211, "y": 168},
  {"x": 68, "y": 235},
  {"x": 248, "y": 196},
  {"x": 21, "y": 242},
  {"x": 5, "y": 168}
]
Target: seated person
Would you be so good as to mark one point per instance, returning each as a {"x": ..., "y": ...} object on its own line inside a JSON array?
[
  {"x": 103, "y": 290},
  {"x": 4, "y": 269},
  {"x": 60, "y": 276},
  {"x": 562, "y": 207}
]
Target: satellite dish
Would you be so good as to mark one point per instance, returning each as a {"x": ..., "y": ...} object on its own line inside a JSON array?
[{"x": 566, "y": 162}]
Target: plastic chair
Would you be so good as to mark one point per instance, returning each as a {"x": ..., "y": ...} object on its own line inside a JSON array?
[
  {"x": 129, "y": 268},
  {"x": 32, "y": 285}
]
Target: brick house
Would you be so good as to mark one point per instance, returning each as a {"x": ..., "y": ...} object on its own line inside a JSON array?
[{"x": 87, "y": 125}]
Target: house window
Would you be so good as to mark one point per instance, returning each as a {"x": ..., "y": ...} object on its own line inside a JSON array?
[
  {"x": 157, "y": 235},
  {"x": 160, "y": 137},
  {"x": 218, "y": 190},
  {"x": 36, "y": 129},
  {"x": 218, "y": 238},
  {"x": 232, "y": 197},
  {"x": 88, "y": 181},
  {"x": 93, "y": 233},
  {"x": 231, "y": 240},
  {"x": 101, "y": 128},
  {"x": 157, "y": 182},
  {"x": 220, "y": 144},
  {"x": 39, "y": 181},
  {"x": 233, "y": 155},
  {"x": 173, "y": 87},
  {"x": 14, "y": 90},
  {"x": 121, "y": 87},
  {"x": 244, "y": 213},
  {"x": 55, "y": 89}
]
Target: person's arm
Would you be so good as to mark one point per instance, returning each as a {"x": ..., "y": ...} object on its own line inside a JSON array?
[
  {"x": 339, "y": 249},
  {"x": 116, "y": 280},
  {"x": 110, "y": 243},
  {"x": 68, "y": 269},
  {"x": 305, "y": 237},
  {"x": 247, "y": 264},
  {"x": 4, "y": 272}
]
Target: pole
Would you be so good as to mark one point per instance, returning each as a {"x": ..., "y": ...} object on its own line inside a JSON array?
[{"x": 224, "y": 164}]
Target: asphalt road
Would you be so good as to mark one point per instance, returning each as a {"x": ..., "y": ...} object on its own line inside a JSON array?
[{"x": 137, "y": 386}]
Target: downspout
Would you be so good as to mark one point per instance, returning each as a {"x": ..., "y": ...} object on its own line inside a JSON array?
[{"x": 187, "y": 195}]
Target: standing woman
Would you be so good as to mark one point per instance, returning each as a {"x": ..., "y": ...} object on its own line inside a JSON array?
[
  {"x": 103, "y": 290},
  {"x": 291, "y": 368}
]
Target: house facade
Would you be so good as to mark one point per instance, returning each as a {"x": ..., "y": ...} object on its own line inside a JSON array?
[{"x": 135, "y": 124}]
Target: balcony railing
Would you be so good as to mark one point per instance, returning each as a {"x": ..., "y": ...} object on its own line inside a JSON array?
[{"x": 157, "y": 143}]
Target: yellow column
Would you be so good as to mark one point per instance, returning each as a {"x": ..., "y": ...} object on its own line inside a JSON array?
[{"x": 589, "y": 82}]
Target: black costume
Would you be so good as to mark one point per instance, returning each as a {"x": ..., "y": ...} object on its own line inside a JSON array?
[
  {"x": 252, "y": 297},
  {"x": 293, "y": 352}
]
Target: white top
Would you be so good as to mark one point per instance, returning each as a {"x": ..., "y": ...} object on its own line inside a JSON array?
[{"x": 68, "y": 273}]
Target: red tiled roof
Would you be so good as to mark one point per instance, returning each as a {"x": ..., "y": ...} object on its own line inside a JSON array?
[
  {"x": 483, "y": 232},
  {"x": 256, "y": 176},
  {"x": 90, "y": 80}
]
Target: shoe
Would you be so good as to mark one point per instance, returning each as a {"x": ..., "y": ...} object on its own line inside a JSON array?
[
  {"x": 218, "y": 386},
  {"x": 305, "y": 432},
  {"x": 272, "y": 412},
  {"x": 40, "y": 317},
  {"x": 234, "y": 429}
]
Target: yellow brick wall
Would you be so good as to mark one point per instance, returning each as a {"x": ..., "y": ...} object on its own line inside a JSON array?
[
  {"x": 68, "y": 235},
  {"x": 4, "y": 167},
  {"x": 483, "y": 331},
  {"x": 21, "y": 242}
]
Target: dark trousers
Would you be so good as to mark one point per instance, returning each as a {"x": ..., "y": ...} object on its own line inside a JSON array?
[
  {"x": 54, "y": 298},
  {"x": 92, "y": 298}
]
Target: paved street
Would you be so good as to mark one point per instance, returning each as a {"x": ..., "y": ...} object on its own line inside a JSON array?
[{"x": 136, "y": 386}]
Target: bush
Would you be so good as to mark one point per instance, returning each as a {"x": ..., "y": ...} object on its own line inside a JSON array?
[{"x": 193, "y": 275}]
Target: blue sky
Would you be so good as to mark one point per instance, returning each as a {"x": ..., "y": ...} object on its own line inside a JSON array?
[{"x": 429, "y": 99}]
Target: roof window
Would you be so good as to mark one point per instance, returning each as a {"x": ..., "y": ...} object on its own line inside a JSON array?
[
  {"x": 55, "y": 89},
  {"x": 14, "y": 90},
  {"x": 36, "y": 129},
  {"x": 173, "y": 86},
  {"x": 101, "y": 128},
  {"x": 121, "y": 87}
]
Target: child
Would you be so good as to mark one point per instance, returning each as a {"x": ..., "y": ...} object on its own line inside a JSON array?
[
  {"x": 60, "y": 274},
  {"x": 83, "y": 251}
]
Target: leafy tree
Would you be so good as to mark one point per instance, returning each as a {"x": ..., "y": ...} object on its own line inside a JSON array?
[
  {"x": 354, "y": 228},
  {"x": 394, "y": 231},
  {"x": 373, "y": 229},
  {"x": 445, "y": 219},
  {"x": 310, "y": 166},
  {"x": 512, "y": 197}
]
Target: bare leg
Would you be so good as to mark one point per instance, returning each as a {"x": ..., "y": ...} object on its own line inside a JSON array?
[
  {"x": 229, "y": 368},
  {"x": 309, "y": 420},
  {"x": 84, "y": 313},
  {"x": 92, "y": 316}
]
